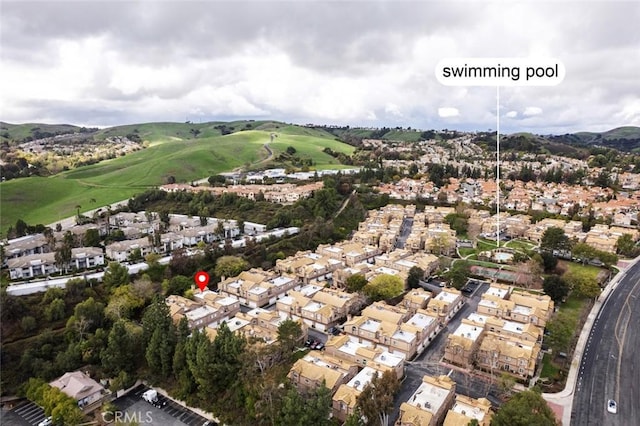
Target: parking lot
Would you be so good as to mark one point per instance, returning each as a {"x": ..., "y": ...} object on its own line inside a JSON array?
[
  {"x": 133, "y": 408},
  {"x": 25, "y": 413}
]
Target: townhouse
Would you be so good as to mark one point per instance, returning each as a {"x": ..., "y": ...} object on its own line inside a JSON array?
[
  {"x": 257, "y": 325},
  {"x": 520, "y": 306},
  {"x": 349, "y": 253},
  {"x": 41, "y": 264},
  {"x": 365, "y": 354},
  {"x": 394, "y": 328},
  {"x": 344, "y": 400},
  {"x": 466, "y": 409},
  {"x": 26, "y": 246},
  {"x": 121, "y": 251},
  {"x": 315, "y": 368},
  {"x": 209, "y": 309},
  {"x": 323, "y": 310},
  {"x": 446, "y": 304},
  {"x": 308, "y": 267},
  {"x": 517, "y": 357},
  {"x": 429, "y": 403},
  {"x": 463, "y": 343},
  {"x": 415, "y": 299},
  {"x": 257, "y": 288}
]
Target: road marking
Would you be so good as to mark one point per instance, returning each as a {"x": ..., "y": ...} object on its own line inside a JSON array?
[{"x": 624, "y": 334}]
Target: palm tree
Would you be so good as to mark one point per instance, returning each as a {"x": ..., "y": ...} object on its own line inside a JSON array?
[{"x": 78, "y": 206}]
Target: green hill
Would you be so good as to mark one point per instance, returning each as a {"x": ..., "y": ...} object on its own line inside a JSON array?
[
  {"x": 173, "y": 151},
  {"x": 18, "y": 132}
]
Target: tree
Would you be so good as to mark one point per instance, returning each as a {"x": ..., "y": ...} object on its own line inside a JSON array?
[
  {"x": 186, "y": 383},
  {"x": 158, "y": 337},
  {"x": 289, "y": 335},
  {"x": 309, "y": 409},
  {"x": 62, "y": 408},
  {"x": 384, "y": 286},
  {"x": 115, "y": 275},
  {"x": 122, "y": 303},
  {"x": 526, "y": 408},
  {"x": 554, "y": 238},
  {"x": 555, "y": 287},
  {"x": 28, "y": 324},
  {"x": 626, "y": 246},
  {"x": 457, "y": 222},
  {"x": 135, "y": 255},
  {"x": 230, "y": 266},
  {"x": 177, "y": 285},
  {"x": 532, "y": 269},
  {"x": 91, "y": 238},
  {"x": 92, "y": 311},
  {"x": 506, "y": 383},
  {"x": 376, "y": 399},
  {"x": 458, "y": 274},
  {"x": 55, "y": 311},
  {"x": 118, "y": 355},
  {"x": 559, "y": 333},
  {"x": 414, "y": 277},
  {"x": 355, "y": 282},
  {"x": 63, "y": 256},
  {"x": 549, "y": 261},
  {"x": 582, "y": 283},
  {"x": 217, "y": 180}
]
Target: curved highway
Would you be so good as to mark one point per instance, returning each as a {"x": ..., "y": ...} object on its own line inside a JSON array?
[{"x": 610, "y": 367}]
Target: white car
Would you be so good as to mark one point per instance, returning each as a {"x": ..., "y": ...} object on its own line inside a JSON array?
[
  {"x": 46, "y": 422},
  {"x": 612, "y": 407}
]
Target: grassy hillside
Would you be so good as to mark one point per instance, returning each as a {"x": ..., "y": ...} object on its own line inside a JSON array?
[
  {"x": 20, "y": 131},
  {"x": 171, "y": 153}
]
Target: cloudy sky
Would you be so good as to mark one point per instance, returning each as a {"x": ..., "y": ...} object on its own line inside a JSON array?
[{"x": 362, "y": 63}]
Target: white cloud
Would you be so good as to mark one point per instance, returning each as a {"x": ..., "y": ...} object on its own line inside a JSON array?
[
  {"x": 530, "y": 111},
  {"x": 446, "y": 112},
  {"x": 106, "y": 63}
]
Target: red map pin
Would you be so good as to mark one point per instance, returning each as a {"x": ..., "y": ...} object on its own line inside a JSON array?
[{"x": 202, "y": 279}]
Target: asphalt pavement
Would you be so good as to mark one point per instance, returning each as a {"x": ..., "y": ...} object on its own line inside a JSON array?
[
  {"x": 132, "y": 407},
  {"x": 609, "y": 368}
]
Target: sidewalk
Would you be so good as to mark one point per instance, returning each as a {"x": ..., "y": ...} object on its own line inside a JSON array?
[{"x": 562, "y": 402}]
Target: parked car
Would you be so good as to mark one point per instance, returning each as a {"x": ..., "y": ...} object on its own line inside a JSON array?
[
  {"x": 46, "y": 422},
  {"x": 319, "y": 346}
]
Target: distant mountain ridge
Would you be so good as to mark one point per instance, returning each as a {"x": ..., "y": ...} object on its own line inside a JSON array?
[{"x": 625, "y": 138}]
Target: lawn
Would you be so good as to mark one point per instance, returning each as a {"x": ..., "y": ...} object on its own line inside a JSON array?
[
  {"x": 466, "y": 251},
  {"x": 45, "y": 200},
  {"x": 549, "y": 369},
  {"x": 485, "y": 245},
  {"x": 590, "y": 270},
  {"x": 570, "y": 316},
  {"x": 520, "y": 245}
]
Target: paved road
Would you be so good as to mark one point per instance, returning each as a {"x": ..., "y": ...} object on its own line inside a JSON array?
[{"x": 610, "y": 366}]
